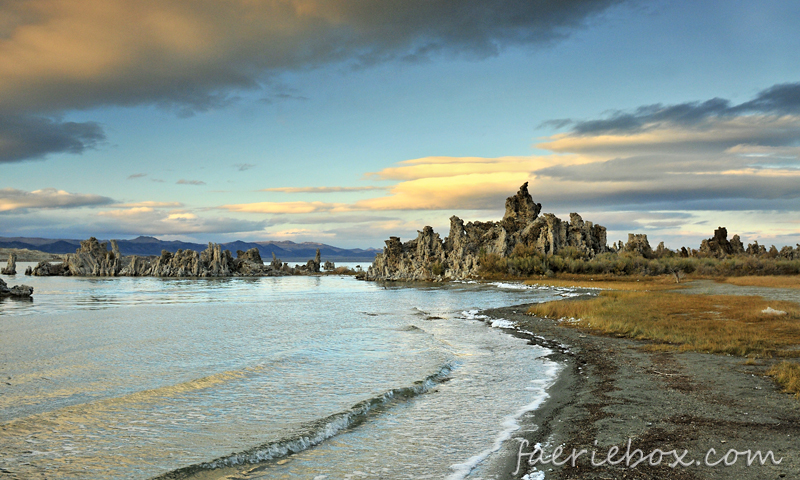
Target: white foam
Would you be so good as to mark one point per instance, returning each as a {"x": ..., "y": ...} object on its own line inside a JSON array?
[
  {"x": 511, "y": 286},
  {"x": 571, "y": 294},
  {"x": 472, "y": 315},
  {"x": 537, "y": 475},
  {"x": 503, "y": 323}
]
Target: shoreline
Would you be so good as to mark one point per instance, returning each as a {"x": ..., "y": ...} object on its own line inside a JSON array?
[{"x": 610, "y": 390}]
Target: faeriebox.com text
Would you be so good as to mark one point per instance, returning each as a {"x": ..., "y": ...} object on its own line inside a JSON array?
[{"x": 632, "y": 458}]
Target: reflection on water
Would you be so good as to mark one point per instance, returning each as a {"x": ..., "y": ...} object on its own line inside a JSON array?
[{"x": 136, "y": 377}]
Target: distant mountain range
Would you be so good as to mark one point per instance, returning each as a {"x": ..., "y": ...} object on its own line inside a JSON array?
[{"x": 285, "y": 250}]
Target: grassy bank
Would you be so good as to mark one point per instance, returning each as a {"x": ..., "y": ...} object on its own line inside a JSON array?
[
  {"x": 609, "y": 282},
  {"x": 723, "y": 324},
  {"x": 787, "y": 375}
]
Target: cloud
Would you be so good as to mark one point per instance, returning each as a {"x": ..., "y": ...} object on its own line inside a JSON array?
[
  {"x": 62, "y": 54},
  {"x": 321, "y": 189},
  {"x": 435, "y": 167},
  {"x": 783, "y": 98},
  {"x": 151, "y": 204},
  {"x": 190, "y": 182},
  {"x": 243, "y": 166},
  {"x": 694, "y": 156},
  {"x": 778, "y": 100},
  {"x": 282, "y": 207},
  {"x": 327, "y": 218},
  {"x": 708, "y": 155},
  {"x": 48, "y": 198},
  {"x": 136, "y": 175},
  {"x": 158, "y": 218},
  {"x": 25, "y": 137}
]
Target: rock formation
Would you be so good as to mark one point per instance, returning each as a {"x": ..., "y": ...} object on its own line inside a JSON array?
[
  {"x": 638, "y": 245},
  {"x": 18, "y": 291},
  {"x": 717, "y": 246},
  {"x": 663, "y": 251},
  {"x": 94, "y": 259},
  {"x": 428, "y": 257},
  {"x": 11, "y": 265},
  {"x": 329, "y": 266}
]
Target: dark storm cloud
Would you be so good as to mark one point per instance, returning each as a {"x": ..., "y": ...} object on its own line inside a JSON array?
[
  {"x": 782, "y": 98},
  {"x": 24, "y": 137},
  {"x": 779, "y": 99},
  {"x": 65, "y": 54}
]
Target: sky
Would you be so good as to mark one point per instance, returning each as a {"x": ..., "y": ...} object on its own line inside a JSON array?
[{"x": 349, "y": 121}]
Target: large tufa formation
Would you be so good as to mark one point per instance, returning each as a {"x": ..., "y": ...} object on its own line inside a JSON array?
[
  {"x": 11, "y": 265},
  {"x": 94, "y": 259},
  {"x": 428, "y": 257}
]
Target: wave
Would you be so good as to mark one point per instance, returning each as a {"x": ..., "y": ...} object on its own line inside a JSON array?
[{"x": 318, "y": 431}]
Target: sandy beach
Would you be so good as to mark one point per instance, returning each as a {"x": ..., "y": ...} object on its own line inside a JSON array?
[{"x": 611, "y": 390}]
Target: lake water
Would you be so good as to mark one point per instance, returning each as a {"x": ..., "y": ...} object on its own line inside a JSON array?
[{"x": 292, "y": 377}]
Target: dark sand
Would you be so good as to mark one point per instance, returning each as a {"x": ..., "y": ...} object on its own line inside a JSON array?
[{"x": 612, "y": 390}]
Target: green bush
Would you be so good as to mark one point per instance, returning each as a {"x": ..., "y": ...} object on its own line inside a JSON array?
[{"x": 527, "y": 260}]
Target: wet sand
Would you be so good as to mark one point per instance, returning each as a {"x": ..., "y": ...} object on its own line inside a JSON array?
[{"x": 611, "y": 390}]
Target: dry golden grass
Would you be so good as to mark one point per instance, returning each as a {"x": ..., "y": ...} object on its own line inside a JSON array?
[
  {"x": 787, "y": 375},
  {"x": 704, "y": 323},
  {"x": 774, "y": 281},
  {"x": 610, "y": 282}
]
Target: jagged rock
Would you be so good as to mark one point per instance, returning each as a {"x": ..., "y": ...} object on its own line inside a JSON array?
[
  {"x": 737, "y": 248},
  {"x": 94, "y": 259},
  {"x": 684, "y": 253},
  {"x": 276, "y": 264},
  {"x": 427, "y": 257},
  {"x": 249, "y": 264},
  {"x": 251, "y": 255},
  {"x": 521, "y": 208},
  {"x": 662, "y": 251},
  {"x": 329, "y": 266},
  {"x": 11, "y": 265},
  {"x": 639, "y": 245},
  {"x": 47, "y": 269},
  {"x": 312, "y": 266},
  {"x": 29, "y": 271},
  {"x": 755, "y": 249},
  {"x": 718, "y": 246},
  {"x": 135, "y": 266},
  {"x": 19, "y": 291}
]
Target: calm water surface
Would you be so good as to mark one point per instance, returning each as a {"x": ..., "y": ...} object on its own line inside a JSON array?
[{"x": 293, "y": 377}]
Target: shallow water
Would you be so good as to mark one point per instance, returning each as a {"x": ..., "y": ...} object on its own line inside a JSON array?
[
  {"x": 710, "y": 287},
  {"x": 292, "y": 377}
]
